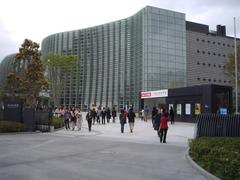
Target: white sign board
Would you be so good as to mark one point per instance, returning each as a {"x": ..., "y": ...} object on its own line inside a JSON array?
[
  {"x": 154, "y": 94},
  {"x": 187, "y": 109}
]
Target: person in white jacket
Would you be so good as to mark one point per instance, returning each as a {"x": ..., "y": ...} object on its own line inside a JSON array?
[{"x": 78, "y": 115}]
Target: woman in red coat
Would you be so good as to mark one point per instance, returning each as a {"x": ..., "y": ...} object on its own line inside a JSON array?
[{"x": 163, "y": 126}]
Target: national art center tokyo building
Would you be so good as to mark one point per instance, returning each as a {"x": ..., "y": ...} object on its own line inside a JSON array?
[{"x": 151, "y": 50}]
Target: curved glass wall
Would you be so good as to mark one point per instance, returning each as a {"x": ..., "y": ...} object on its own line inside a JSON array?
[
  {"x": 118, "y": 60},
  {"x": 6, "y": 67}
]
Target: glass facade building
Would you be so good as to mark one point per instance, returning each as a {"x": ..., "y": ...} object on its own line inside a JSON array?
[{"x": 118, "y": 60}]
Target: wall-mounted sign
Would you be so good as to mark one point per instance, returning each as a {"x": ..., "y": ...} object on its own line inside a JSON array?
[
  {"x": 187, "y": 109},
  {"x": 154, "y": 94},
  {"x": 197, "y": 108},
  {"x": 179, "y": 109}
]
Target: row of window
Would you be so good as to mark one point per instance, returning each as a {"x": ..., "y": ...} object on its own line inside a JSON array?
[
  {"x": 213, "y": 80},
  {"x": 213, "y": 42},
  {"x": 209, "y": 64},
  {"x": 213, "y": 53}
]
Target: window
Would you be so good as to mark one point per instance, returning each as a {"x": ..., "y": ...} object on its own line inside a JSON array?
[
  {"x": 198, "y": 51},
  {"x": 203, "y": 64},
  {"x": 208, "y": 41},
  {"x": 197, "y": 39},
  {"x": 209, "y": 65},
  {"x": 198, "y": 79},
  {"x": 203, "y": 40},
  {"x": 209, "y": 80},
  {"x": 203, "y": 52},
  {"x": 213, "y": 42},
  {"x": 209, "y": 53},
  {"x": 198, "y": 63}
]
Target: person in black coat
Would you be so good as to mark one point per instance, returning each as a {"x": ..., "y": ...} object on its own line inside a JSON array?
[
  {"x": 122, "y": 119},
  {"x": 103, "y": 114},
  {"x": 157, "y": 120},
  {"x": 89, "y": 120},
  {"x": 171, "y": 113},
  {"x": 154, "y": 113},
  {"x": 131, "y": 119},
  {"x": 114, "y": 114},
  {"x": 108, "y": 113}
]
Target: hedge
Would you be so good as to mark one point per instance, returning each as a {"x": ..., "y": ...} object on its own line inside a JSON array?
[
  {"x": 218, "y": 155},
  {"x": 11, "y": 126}
]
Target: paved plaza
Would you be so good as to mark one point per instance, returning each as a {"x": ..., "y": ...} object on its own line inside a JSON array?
[{"x": 103, "y": 154}]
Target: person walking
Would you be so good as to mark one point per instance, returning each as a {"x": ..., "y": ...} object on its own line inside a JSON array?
[
  {"x": 78, "y": 115},
  {"x": 157, "y": 121},
  {"x": 89, "y": 120},
  {"x": 122, "y": 119},
  {"x": 103, "y": 114},
  {"x": 98, "y": 114},
  {"x": 154, "y": 114},
  {"x": 94, "y": 115},
  {"x": 67, "y": 117},
  {"x": 131, "y": 119},
  {"x": 73, "y": 118},
  {"x": 146, "y": 111},
  {"x": 171, "y": 113},
  {"x": 164, "y": 126},
  {"x": 108, "y": 113},
  {"x": 114, "y": 114}
]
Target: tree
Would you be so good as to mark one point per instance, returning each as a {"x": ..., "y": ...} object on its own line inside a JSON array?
[
  {"x": 61, "y": 68},
  {"x": 28, "y": 76},
  {"x": 229, "y": 67},
  {"x": 13, "y": 85}
]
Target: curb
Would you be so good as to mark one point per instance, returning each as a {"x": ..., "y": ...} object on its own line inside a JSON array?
[
  {"x": 199, "y": 168},
  {"x": 19, "y": 133}
]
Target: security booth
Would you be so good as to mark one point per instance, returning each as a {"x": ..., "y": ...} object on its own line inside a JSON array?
[
  {"x": 187, "y": 102},
  {"x": 12, "y": 110}
]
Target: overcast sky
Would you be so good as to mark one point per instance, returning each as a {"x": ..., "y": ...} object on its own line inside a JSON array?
[{"x": 20, "y": 19}]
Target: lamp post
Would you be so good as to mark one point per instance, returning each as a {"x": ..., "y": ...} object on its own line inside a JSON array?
[{"x": 236, "y": 77}]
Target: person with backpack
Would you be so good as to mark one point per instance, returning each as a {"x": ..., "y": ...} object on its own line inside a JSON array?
[
  {"x": 131, "y": 119},
  {"x": 122, "y": 119}
]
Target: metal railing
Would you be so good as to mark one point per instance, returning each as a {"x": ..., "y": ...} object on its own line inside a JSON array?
[{"x": 218, "y": 125}]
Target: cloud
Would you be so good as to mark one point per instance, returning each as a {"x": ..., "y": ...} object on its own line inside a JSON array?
[
  {"x": 7, "y": 44},
  {"x": 27, "y": 19}
]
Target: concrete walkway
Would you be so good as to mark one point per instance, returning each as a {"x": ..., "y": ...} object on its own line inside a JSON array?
[
  {"x": 178, "y": 133},
  {"x": 103, "y": 154}
]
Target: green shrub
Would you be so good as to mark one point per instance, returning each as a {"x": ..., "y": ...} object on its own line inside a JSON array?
[
  {"x": 44, "y": 121},
  {"x": 218, "y": 155},
  {"x": 57, "y": 122},
  {"x": 11, "y": 126}
]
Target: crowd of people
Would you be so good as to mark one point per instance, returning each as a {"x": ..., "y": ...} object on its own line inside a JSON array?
[{"x": 73, "y": 118}]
